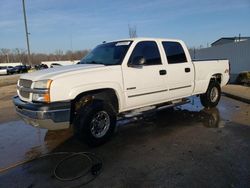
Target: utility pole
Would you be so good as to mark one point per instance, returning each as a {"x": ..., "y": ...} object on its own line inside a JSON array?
[
  {"x": 194, "y": 52},
  {"x": 26, "y": 31},
  {"x": 7, "y": 55}
]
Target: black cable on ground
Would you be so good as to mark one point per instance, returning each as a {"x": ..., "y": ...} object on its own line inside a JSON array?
[{"x": 95, "y": 167}]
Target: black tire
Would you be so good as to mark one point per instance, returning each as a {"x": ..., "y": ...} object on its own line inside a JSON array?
[
  {"x": 212, "y": 96},
  {"x": 84, "y": 122}
]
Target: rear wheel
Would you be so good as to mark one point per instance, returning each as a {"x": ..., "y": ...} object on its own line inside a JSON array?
[
  {"x": 95, "y": 123},
  {"x": 212, "y": 96}
]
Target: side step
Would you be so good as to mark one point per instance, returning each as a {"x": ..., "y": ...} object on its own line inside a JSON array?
[{"x": 148, "y": 109}]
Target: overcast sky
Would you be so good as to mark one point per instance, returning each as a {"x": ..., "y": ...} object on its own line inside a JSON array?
[{"x": 81, "y": 24}]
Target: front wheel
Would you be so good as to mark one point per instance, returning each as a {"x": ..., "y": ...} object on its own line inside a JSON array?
[
  {"x": 212, "y": 96},
  {"x": 95, "y": 123}
]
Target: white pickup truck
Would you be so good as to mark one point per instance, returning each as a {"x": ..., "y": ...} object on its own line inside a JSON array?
[{"x": 117, "y": 78}]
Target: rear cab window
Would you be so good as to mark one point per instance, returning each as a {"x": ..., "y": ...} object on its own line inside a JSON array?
[{"x": 174, "y": 52}]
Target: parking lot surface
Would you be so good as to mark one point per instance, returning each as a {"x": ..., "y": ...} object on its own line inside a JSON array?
[{"x": 187, "y": 146}]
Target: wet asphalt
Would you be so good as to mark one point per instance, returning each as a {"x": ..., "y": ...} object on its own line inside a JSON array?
[{"x": 187, "y": 146}]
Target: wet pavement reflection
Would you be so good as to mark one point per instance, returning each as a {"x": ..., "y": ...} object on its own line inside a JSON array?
[
  {"x": 189, "y": 113},
  {"x": 19, "y": 141}
]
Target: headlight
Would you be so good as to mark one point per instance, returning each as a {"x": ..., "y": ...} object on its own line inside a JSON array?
[
  {"x": 41, "y": 91},
  {"x": 43, "y": 84}
]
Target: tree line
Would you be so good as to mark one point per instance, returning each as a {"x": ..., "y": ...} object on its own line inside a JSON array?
[{"x": 20, "y": 55}]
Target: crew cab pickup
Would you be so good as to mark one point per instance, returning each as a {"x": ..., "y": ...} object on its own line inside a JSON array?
[{"x": 115, "y": 79}]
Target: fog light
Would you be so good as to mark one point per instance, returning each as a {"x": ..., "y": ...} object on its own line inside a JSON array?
[{"x": 38, "y": 97}]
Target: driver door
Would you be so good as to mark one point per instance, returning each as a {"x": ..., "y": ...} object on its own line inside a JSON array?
[{"x": 144, "y": 76}]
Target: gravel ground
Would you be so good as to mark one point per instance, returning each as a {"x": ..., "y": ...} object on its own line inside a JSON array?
[
  {"x": 238, "y": 92},
  {"x": 7, "y": 112},
  {"x": 8, "y": 80}
]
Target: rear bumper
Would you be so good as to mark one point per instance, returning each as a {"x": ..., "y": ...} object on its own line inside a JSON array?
[{"x": 51, "y": 116}]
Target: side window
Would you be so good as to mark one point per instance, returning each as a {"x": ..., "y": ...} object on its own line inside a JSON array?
[
  {"x": 148, "y": 50},
  {"x": 174, "y": 52}
]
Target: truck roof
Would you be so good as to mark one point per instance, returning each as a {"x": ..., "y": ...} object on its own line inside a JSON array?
[{"x": 147, "y": 38}]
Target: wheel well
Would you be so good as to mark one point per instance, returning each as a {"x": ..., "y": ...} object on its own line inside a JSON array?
[
  {"x": 87, "y": 97},
  {"x": 216, "y": 78}
]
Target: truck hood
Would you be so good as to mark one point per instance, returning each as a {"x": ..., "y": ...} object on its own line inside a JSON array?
[{"x": 51, "y": 73}]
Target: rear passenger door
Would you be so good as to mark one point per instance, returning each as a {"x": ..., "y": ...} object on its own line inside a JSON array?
[{"x": 180, "y": 71}]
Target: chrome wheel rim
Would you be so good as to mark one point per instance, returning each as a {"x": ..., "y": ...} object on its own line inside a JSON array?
[
  {"x": 214, "y": 94},
  {"x": 100, "y": 124}
]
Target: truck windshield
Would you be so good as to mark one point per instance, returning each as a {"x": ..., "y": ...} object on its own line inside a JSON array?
[{"x": 108, "y": 53}]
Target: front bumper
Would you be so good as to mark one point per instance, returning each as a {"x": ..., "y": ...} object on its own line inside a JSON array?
[{"x": 53, "y": 116}]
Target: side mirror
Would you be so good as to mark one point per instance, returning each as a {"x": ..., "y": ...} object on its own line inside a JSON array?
[{"x": 138, "y": 61}]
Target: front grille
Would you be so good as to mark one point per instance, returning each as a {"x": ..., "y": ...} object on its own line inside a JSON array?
[
  {"x": 24, "y": 94},
  {"x": 24, "y": 84}
]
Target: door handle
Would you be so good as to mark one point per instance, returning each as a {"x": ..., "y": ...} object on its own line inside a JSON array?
[
  {"x": 162, "y": 72},
  {"x": 187, "y": 69}
]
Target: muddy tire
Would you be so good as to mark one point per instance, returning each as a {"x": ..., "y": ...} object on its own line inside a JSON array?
[
  {"x": 212, "y": 96},
  {"x": 95, "y": 123}
]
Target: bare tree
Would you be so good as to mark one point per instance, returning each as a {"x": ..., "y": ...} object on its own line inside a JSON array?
[
  {"x": 58, "y": 55},
  {"x": 5, "y": 53},
  {"x": 132, "y": 31},
  {"x": 20, "y": 55}
]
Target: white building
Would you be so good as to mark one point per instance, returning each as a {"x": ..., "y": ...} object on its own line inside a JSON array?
[
  {"x": 226, "y": 40},
  {"x": 237, "y": 51},
  {"x": 10, "y": 64}
]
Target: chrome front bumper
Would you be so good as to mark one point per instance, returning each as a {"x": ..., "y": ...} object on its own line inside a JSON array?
[{"x": 52, "y": 116}]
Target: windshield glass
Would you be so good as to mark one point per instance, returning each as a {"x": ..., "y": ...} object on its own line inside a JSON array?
[{"x": 107, "y": 54}]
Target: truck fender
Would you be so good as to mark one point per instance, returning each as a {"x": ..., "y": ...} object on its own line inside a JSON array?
[{"x": 74, "y": 92}]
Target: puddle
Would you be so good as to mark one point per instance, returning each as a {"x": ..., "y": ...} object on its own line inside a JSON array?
[
  {"x": 189, "y": 113},
  {"x": 19, "y": 142}
]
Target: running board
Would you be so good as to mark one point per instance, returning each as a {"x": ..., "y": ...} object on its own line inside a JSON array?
[{"x": 140, "y": 111}]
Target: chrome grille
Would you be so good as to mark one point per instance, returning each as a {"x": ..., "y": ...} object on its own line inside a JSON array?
[
  {"x": 24, "y": 94},
  {"x": 25, "y": 83},
  {"x": 22, "y": 88}
]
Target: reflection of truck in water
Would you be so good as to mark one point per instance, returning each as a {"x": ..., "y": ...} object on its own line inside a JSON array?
[{"x": 117, "y": 78}]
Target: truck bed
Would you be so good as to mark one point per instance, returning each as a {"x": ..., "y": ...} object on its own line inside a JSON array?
[{"x": 201, "y": 73}]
